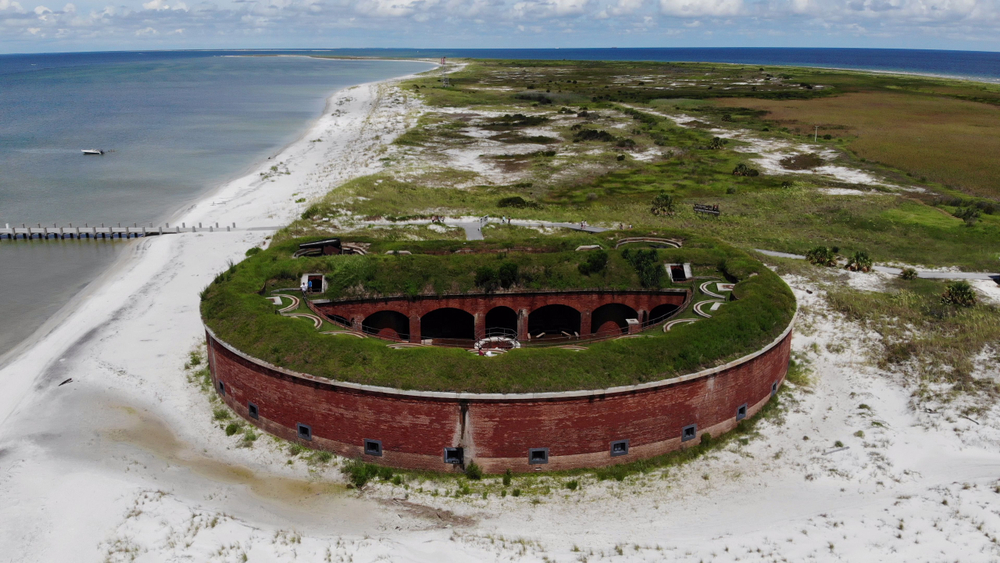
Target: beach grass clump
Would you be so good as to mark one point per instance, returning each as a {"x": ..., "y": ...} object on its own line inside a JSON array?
[{"x": 922, "y": 334}]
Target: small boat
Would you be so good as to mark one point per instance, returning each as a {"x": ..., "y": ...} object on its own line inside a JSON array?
[{"x": 97, "y": 152}]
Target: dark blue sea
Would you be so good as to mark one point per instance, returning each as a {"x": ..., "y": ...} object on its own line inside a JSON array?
[{"x": 183, "y": 122}]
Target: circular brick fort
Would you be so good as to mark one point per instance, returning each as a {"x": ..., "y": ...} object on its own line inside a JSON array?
[{"x": 554, "y": 430}]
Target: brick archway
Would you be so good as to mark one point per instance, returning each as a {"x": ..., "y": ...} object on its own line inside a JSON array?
[
  {"x": 503, "y": 318},
  {"x": 387, "y": 324},
  {"x": 555, "y": 319},
  {"x": 449, "y": 323},
  {"x": 615, "y": 313}
]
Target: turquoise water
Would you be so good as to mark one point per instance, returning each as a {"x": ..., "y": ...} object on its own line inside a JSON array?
[{"x": 179, "y": 124}]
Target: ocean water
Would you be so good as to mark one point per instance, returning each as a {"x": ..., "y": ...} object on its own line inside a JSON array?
[
  {"x": 179, "y": 124},
  {"x": 977, "y": 65}
]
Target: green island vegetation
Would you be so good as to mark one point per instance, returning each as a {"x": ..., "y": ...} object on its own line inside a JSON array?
[
  {"x": 851, "y": 168},
  {"x": 621, "y": 133},
  {"x": 234, "y": 307}
]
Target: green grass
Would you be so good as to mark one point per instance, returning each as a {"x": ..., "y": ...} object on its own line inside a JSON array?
[
  {"x": 235, "y": 309},
  {"x": 920, "y": 335}
]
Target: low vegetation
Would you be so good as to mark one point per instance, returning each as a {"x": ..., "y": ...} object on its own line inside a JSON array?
[{"x": 234, "y": 307}]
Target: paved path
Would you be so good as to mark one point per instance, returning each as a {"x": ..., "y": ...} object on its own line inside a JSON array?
[{"x": 931, "y": 275}]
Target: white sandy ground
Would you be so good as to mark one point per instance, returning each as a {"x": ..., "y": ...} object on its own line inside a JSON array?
[{"x": 125, "y": 464}]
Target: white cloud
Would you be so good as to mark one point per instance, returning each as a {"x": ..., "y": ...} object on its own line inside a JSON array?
[
  {"x": 701, "y": 8},
  {"x": 549, "y": 8},
  {"x": 8, "y": 5},
  {"x": 145, "y": 32}
]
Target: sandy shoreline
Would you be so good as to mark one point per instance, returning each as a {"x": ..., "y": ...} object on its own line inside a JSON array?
[{"x": 124, "y": 340}]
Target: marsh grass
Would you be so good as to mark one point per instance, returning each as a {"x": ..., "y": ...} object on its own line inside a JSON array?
[{"x": 947, "y": 140}]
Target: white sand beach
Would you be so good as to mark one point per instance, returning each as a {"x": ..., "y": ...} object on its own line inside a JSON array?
[{"x": 125, "y": 463}]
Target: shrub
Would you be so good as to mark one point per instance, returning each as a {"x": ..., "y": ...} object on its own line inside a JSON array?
[
  {"x": 221, "y": 414},
  {"x": 595, "y": 262},
  {"x": 516, "y": 492},
  {"x": 959, "y": 293},
  {"x": 507, "y": 274},
  {"x": 507, "y": 475},
  {"x": 663, "y": 204},
  {"x": 473, "y": 471},
  {"x": 232, "y": 428},
  {"x": 595, "y": 135},
  {"x": 516, "y": 201},
  {"x": 487, "y": 279},
  {"x": 908, "y": 274},
  {"x": 838, "y": 444},
  {"x": 968, "y": 214},
  {"x": 706, "y": 439},
  {"x": 359, "y": 472},
  {"x": 717, "y": 143},
  {"x": 822, "y": 256},
  {"x": 744, "y": 170},
  {"x": 860, "y": 262},
  {"x": 573, "y": 485},
  {"x": 646, "y": 264}
]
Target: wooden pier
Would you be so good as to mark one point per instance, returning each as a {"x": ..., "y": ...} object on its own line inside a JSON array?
[{"x": 103, "y": 232}]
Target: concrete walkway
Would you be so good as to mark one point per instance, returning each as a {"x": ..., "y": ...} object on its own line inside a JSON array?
[{"x": 925, "y": 274}]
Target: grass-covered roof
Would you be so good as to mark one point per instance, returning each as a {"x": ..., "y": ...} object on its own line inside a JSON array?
[{"x": 234, "y": 307}]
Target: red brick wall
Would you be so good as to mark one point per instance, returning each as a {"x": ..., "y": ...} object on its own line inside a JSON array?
[
  {"x": 479, "y": 305},
  {"x": 497, "y": 430}
]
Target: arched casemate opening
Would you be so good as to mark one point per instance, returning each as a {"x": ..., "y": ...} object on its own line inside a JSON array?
[
  {"x": 661, "y": 312},
  {"x": 554, "y": 320},
  {"x": 606, "y": 317},
  {"x": 387, "y": 324},
  {"x": 448, "y": 323},
  {"x": 501, "y": 320}
]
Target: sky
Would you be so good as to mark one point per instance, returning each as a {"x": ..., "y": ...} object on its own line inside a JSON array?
[{"x": 93, "y": 25}]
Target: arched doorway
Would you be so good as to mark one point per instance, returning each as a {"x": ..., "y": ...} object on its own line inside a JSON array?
[
  {"x": 554, "y": 320},
  {"x": 387, "y": 324},
  {"x": 501, "y": 321},
  {"x": 606, "y": 317},
  {"x": 660, "y": 313},
  {"x": 448, "y": 322}
]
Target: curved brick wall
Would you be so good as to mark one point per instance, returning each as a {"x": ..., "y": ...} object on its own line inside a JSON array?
[{"x": 498, "y": 430}]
